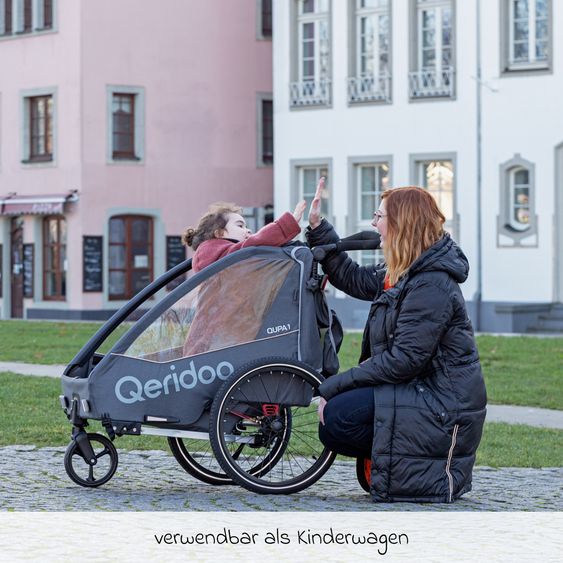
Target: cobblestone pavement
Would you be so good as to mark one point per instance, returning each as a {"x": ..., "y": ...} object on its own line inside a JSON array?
[{"x": 34, "y": 479}]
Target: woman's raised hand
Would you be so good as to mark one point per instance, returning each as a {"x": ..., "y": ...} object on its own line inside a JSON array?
[
  {"x": 299, "y": 210},
  {"x": 315, "y": 210}
]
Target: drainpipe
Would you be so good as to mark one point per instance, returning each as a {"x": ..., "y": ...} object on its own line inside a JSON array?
[{"x": 477, "y": 298}]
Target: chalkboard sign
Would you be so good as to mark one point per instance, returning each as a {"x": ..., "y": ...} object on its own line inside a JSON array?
[
  {"x": 175, "y": 254},
  {"x": 28, "y": 270},
  {"x": 92, "y": 264}
]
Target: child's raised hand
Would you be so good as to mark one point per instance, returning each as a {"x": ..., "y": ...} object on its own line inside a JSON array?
[
  {"x": 299, "y": 210},
  {"x": 315, "y": 210}
]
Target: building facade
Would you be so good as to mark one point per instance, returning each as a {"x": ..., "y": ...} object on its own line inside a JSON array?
[
  {"x": 460, "y": 97},
  {"x": 119, "y": 124}
]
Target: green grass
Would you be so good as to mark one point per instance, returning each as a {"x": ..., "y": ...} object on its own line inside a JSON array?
[
  {"x": 32, "y": 415},
  {"x": 40, "y": 342},
  {"x": 518, "y": 370}
]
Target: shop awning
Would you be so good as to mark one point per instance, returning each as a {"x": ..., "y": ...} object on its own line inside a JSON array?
[{"x": 36, "y": 204}]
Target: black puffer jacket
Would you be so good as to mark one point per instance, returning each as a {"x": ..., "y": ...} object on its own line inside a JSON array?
[{"x": 419, "y": 354}]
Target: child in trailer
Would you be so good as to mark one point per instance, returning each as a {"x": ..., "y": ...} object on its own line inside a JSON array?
[
  {"x": 222, "y": 230},
  {"x": 232, "y": 303}
]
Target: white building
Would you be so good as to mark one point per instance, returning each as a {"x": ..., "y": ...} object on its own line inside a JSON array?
[{"x": 460, "y": 96}]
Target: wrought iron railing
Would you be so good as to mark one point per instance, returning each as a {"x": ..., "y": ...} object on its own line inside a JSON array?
[
  {"x": 431, "y": 83},
  {"x": 310, "y": 93},
  {"x": 369, "y": 88}
]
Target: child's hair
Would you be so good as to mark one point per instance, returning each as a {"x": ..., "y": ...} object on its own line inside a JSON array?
[{"x": 215, "y": 219}]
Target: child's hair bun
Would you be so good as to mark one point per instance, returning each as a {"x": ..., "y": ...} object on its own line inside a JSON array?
[{"x": 188, "y": 236}]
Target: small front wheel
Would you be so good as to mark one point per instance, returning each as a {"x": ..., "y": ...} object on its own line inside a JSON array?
[{"x": 84, "y": 473}]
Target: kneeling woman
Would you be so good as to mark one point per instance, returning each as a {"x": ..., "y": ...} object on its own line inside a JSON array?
[{"x": 416, "y": 402}]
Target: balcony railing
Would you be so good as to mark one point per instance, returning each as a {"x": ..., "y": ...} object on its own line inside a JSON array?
[
  {"x": 431, "y": 83},
  {"x": 369, "y": 88},
  {"x": 310, "y": 93}
]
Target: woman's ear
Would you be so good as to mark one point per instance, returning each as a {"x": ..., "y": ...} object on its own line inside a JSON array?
[{"x": 218, "y": 233}]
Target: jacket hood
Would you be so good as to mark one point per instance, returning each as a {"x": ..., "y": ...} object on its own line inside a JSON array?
[{"x": 446, "y": 256}]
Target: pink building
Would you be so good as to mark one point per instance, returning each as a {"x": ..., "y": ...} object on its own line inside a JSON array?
[{"x": 119, "y": 124}]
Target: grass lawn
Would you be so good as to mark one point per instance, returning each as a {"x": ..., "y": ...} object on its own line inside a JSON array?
[
  {"x": 519, "y": 370},
  {"x": 32, "y": 415}
]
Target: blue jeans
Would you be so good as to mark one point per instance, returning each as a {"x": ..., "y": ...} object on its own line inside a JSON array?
[{"x": 348, "y": 427}]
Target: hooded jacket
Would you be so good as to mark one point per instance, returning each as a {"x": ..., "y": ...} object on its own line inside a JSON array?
[
  {"x": 277, "y": 233},
  {"x": 420, "y": 356}
]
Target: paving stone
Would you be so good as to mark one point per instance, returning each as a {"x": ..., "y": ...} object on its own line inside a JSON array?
[{"x": 34, "y": 479}]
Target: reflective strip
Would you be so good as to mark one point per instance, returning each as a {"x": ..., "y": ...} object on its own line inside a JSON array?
[{"x": 450, "y": 454}]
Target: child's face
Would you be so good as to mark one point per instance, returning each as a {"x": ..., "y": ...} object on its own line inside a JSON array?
[{"x": 235, "y": 228}]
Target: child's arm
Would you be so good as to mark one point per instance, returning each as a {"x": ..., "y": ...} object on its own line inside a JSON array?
[{"x": 277, "y": 233}]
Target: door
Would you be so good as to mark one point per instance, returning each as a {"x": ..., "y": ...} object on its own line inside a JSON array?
[{"x": 16, "y": 267}]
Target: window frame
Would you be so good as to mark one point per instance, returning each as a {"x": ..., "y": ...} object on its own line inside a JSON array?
[
  {"x": 511, "y": 68},
  {"x": 59, "y": 247},
  {"x": 262, "y": 32},
  {"x": 28, "y": 159},
  {"x": 376, "y": 88},
  {"x": 261, "y": 98},
  {"x": 298, "y": 167},
  {"x": 26, "y": 17},
  {"x": 417, "y": 161},
  {"x": 316, "y": 92},
  {"x": 419, "y": 76},
  {"x": 129, "y": 268},
  {"x": 138, "y": 155},
  {"x": 508, "y": 234},
  {"x": 46, "y": 130},
  {"x": 355, "y": 223}
]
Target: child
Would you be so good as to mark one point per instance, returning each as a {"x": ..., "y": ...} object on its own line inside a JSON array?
[{"x": 223, "y": 230}]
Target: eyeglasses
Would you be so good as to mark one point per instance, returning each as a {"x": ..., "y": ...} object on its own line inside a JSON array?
[{"x": 378, "y": 215}]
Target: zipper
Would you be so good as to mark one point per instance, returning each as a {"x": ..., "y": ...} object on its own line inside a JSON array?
[{"x": 450, "y": 454}]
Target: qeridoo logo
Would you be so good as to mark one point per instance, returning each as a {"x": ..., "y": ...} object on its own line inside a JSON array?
[{"x": 130, "y": 389}]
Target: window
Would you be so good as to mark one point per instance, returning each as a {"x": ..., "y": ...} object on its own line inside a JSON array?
[
  {"x": 265, "y": 19},
  {"x": 30, "y": 15},
  {"x": 308, "y": 180},
  {"x": 432, "y": 60},
  {"x": 313, "y": 80},
  {"x": 38, "y": 127},
  {"x": 265, "y": 130},
  {"x": 527, "y": 34},
  {"x": 517, "y": 218},
  {"x": 130, "y": 255},
  {"x": 437, "y": 176},
  {"x": 371, "y": 180},
  {"x": 123, "y": 116},
  {"x": 54, "y": 258},
  {"x": 5, "y": 17},
  {"x": 126, "y": 124},
  {"x": 370, "y": 79}
]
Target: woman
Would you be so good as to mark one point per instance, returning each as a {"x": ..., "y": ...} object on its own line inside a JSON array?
[{"x": 415, "y": 404}]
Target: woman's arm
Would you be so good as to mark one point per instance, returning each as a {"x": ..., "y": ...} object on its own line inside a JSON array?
[
  {"x": 423, "y": 318},
  {"x": 344, "y": 273}
]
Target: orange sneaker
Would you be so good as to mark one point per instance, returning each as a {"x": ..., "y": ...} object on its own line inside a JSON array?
[{"x": 363, "y": 472}]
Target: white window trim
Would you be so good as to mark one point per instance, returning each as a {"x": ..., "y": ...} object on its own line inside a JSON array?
[
  {"x": 139, "y": 93},
  {"x": 508, "y": 67},
  {"x": 375, "y": 88},
  {"x": 24, "y": 131},
  {"x": 416, "y": 160},
  {"x": 261, "y": 97},
  {"x": 505, "y": 225},
  {"x": 430, "y": 84},
  {"x": 316, "y": 93},
  {"x": 297, "y": 166}
]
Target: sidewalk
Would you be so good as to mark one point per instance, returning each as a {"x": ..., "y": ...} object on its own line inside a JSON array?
[{"x": 542, "y": 418}]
